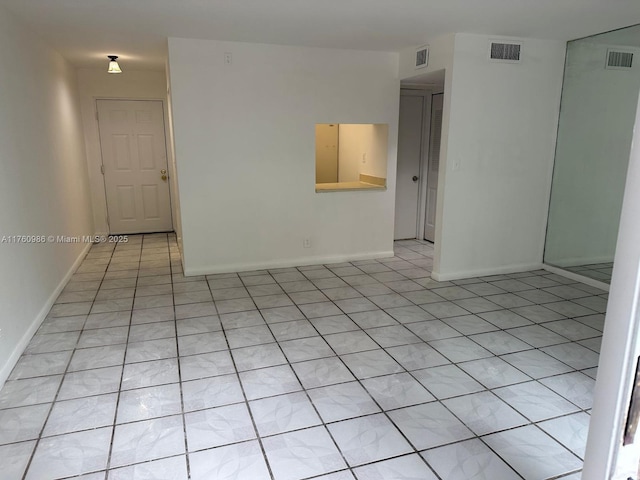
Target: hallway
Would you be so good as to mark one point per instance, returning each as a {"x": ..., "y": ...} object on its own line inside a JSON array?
[{"x": 362, "y": 370}]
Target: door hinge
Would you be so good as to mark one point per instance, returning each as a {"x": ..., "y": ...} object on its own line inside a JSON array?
[
  {"x": 633, "y": 415},
  {"x": 102, "y": 169}
]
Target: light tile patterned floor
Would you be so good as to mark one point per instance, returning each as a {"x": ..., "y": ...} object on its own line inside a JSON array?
[
  {"x": 364, "y": 370},
  {"x": 597, "y": 271}
]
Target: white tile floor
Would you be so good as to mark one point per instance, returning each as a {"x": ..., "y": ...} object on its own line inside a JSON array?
[
  {"x": 597, "y": 271},
  {"x": 364, "y": 370}
]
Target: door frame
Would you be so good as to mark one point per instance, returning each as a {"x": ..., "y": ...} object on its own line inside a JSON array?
[
  {"x": 425, "y": 93},
  {"x": 606, "y": 457},
  {"x": 101, "y": 196},
  {"x": 425, "y": 166}
]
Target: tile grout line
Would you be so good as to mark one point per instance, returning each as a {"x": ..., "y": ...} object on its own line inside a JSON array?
[
  {"x": 382, "y": 410},
  {"x": 258, "y": 437},
  {"x": 124, "y": 362},
  {"x": 360, "y": 328},
  {"x": 179, "y": 367},
  {"x": 64, "y": 374}
]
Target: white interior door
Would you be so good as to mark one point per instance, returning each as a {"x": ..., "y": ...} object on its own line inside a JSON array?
[
  {"x": 611, "y": 454},
  {"x": 433, "y": 166},
  {"x": 410, "y": 129},
  {"x": 134, "y": 158}
]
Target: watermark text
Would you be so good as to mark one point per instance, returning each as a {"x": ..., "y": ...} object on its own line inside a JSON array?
[{"x": 34, "y": 239}]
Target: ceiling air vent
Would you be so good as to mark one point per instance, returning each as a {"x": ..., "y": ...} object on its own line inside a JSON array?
[
  {"x": 505, "y": 52},
  {"x": 422, "y": 57},
  {"x": 617, "y": 60}
]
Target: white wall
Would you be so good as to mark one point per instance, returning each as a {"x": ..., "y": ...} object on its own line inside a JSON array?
[
  {"x": 594, "y": 140},
  {"x": 43, "y": 187},
  {"x": 362, "y": 149},
  {"x": 244, "y": 136},
  {"x": 498, "y": 143},
  {"x": 95, "y": 84}
]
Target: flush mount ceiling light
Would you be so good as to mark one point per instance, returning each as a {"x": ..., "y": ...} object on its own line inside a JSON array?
[{"x": 113, "y": 64}]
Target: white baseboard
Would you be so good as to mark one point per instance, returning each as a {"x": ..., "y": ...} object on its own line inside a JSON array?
[
  {"x": 577, "y": 262},
  {"x": 577, "y": 277},
  {"x": 6, "y": 369},
  {"x": 484, "y": 272},
  {"x": 283, "y": 263}
]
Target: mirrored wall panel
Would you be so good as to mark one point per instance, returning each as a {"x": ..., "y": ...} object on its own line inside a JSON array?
[{"x": 597, "y": 112}]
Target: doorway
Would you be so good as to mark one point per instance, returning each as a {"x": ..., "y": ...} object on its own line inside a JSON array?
[
  {"x": 433, "y": 166},
  {"x": 419, "y": 133},
  {"x": 134, "y": 166}
]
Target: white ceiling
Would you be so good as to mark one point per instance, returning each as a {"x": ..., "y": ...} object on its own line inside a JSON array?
[{"x": 85, "y": 31}]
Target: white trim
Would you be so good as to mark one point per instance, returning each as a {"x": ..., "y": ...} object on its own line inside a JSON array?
[
  {"x": 424, "y": 173},
  {"x": 19, "y": 348},
  {"x": 425, "y": 143},
  {"x": 425, "y": 139},
  {"x": 484, "y": 272},
  {"x": 415, "y": 92},
  {"x": 606, "y": 457},
  {"x": 433, "y": 87},
  {"x": 294, "y": 262},
  {"x": 577, "y": 262},
  {"x": 576, "y": 276}
]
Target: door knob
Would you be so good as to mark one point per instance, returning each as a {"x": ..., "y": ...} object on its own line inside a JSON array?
[
  {"x": 415, "y": 178},
  {"x": 163, "y": 171},
  {"x": 163, "y": 177}
]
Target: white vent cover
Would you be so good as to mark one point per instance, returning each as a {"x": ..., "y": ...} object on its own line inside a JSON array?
[
  {"x": 505, "y": 52},
  {"x": 422, "y": 57},
  {"x": 619, "y": 60}
]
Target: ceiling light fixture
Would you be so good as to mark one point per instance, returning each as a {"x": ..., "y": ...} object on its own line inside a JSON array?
[{"x": 113, "y": 64}]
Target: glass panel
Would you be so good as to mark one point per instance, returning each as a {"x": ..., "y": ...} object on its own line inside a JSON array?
[{"x": 597, "y": 113}]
